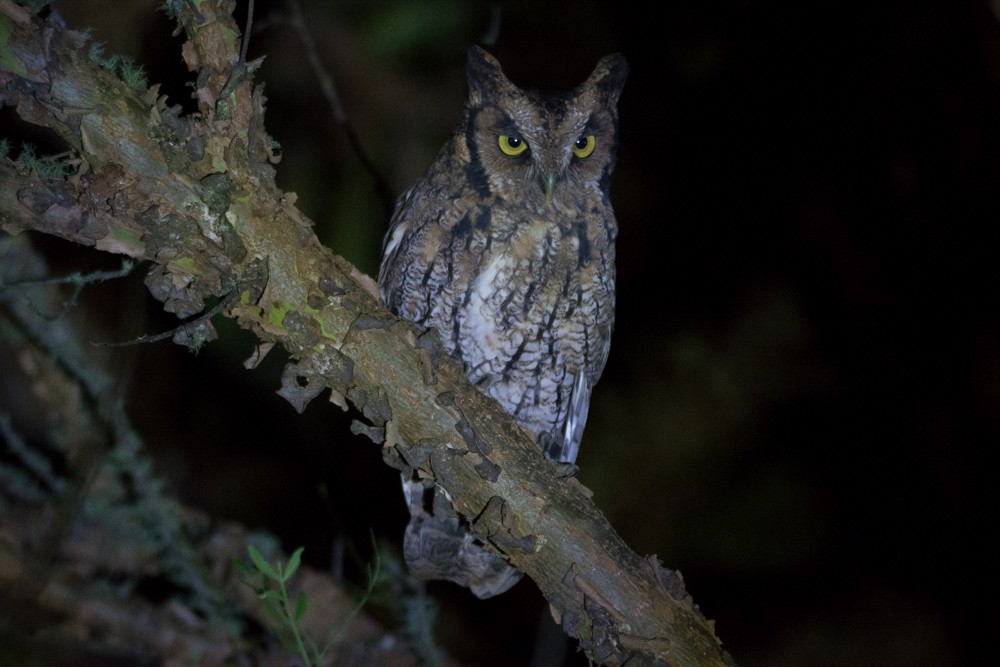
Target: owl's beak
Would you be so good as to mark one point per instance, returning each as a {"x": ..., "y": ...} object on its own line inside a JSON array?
[{"x": 548, "y": 184}]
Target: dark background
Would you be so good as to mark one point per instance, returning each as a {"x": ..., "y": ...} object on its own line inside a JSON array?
[{"x": 803, "y": 392}]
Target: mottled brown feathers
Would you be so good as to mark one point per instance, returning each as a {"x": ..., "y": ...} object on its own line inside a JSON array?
[{"x": 510, "y": 256}]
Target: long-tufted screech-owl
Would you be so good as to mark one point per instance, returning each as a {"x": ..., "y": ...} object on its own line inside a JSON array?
[{"x": 506, "y": 247}]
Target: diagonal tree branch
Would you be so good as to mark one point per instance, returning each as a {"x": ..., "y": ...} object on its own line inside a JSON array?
[{"x": 195, "y": 195}]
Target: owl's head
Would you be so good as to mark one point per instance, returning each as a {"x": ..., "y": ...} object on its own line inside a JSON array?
[{"x": 526, "y": 144}]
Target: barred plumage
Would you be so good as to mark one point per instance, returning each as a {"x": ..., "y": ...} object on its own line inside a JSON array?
[{"x": 506, "y": 247}]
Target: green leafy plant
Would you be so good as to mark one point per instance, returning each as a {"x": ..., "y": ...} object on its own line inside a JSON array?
[{"x": 275, "y": 595}]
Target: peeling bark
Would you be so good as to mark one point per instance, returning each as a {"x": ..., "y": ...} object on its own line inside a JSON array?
[{"x": 195, "y": 195}]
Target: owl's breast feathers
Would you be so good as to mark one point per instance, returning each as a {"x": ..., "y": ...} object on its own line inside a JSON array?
[{"x": 524, "y": 301}]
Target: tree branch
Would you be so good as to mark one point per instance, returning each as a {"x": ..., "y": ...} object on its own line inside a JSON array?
[{"x": 195, "y": 195}]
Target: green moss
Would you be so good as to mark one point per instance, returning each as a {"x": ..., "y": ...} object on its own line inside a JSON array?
[
  {"x": 277, "y": 312},
  {"x": 185, "y": 264},
  {"x": 232, "y": 40},
  {"x": 47, "y": 167},
  {"x": 127, "y": 237},
  {"x": 123, "y": 67},
  {"x": 8, "y": 61},
  {"x": 326, "y": 333}
]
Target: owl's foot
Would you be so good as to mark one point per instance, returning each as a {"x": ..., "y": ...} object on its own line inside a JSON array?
[
  {"x": 565, "y": 469},
  {"x": 438, "y": 544},
  {"x": 444, "y": 549}
]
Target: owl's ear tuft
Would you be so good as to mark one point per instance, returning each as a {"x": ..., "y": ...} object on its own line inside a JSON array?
[
  {"x": 486, "y": 79},
  {"x": 608, "y": 77}
]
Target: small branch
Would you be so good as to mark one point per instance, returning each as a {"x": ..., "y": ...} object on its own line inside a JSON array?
[
  {"x": 78, "y": 282},
  {"x": 329, "y": 91},
  {"x": 246, "y": 33},
  {"x": 322, "y": 75},
  {"x": 185, "y": 331}
]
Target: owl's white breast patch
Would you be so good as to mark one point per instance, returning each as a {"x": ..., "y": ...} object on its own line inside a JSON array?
[{"x": 480, "y": 318}]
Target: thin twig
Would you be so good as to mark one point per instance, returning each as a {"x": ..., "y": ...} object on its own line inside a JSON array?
[
  {"x": 329, "y": 91},
  {"x": 77, "y": 280},
  {"x": 246, "y": 33},
  {"x": 186, "y": 326}
]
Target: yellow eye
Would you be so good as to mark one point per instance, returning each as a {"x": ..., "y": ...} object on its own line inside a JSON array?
[
  {"x": 512, "y": 145},
  {"x": 584, "y": 146}
]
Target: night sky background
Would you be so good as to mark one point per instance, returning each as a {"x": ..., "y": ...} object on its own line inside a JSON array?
[{"x": 803, "y": 391}]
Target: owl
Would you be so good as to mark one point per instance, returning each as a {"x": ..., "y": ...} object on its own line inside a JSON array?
[{"x": 506, "y": 246}]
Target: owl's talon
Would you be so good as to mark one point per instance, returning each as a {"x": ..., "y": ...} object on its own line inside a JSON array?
[{"x": 564, "y": 470}]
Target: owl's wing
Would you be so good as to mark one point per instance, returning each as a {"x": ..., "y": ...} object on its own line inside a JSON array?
[
  {"x": 399, "y": 228},
  {"x": 565, "y": 446},
  {"x": 564, "y": 449},
  {"x": 405, "y": 266}
]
